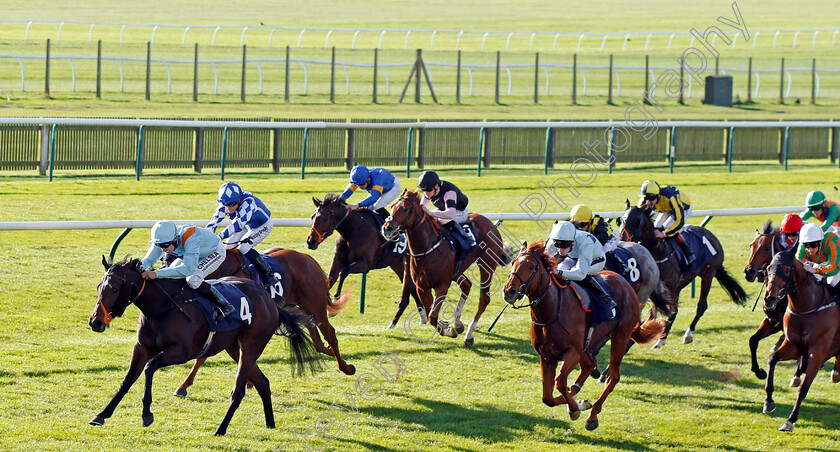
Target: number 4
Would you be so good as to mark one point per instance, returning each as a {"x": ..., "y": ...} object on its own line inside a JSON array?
[{"x": 244, "y": 311}]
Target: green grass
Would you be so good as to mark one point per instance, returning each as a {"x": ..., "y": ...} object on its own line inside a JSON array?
[{"x": 58, "y": 373}]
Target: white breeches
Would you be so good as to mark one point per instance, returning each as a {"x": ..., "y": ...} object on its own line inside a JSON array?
[
  {"x": 666, "y": 219},
  {"x": 389, "y": 196},
  {"x": 255, "y": 235},
  {"x": 207, "y": 265}
]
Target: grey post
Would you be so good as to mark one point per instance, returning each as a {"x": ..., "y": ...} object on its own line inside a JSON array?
[
  {"x": 813, "y": 81},
  {"x": 417, "y": 63},
  {"x": 782, "y": 82},
  {"x": 682, "y": 77},
  {"x": 195, "y": 75},
  {"x": 458, "y": 80},
  {"x": 45, "y": 150},
  {"x": 148, "y": 70},
  {"x": 199, "y": 149},
  {"x": 717, "y": 65},
  {"x": 332, "y": 76},
  {"x": 537, "y": 78},
  {"x": 286, "y": 81},
  {"x": 351, "y": 147},
  {"x": 574, "y": 79},
  {"x": 47, "y": 73},
  {"x": 609, "y": 89},
  {"x": 275, "y": 163},
  {"x": 99, "y": 69},
  {"x": 375, "y": 70},
  {"x": 498, "y": 67},
  {"x": 647, "y": 79},
  {"x": 421, "y": 147},
  {"x": 244, "y": 59},
  {"x": 749, "y": 81}
]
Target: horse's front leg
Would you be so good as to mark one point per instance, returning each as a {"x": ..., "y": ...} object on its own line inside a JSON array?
[
  {"x": 764, "y": 329},
  {"x": 570, "y": 361},
  {"x": 786, "y": 352},
  {"x": 817, "y": 355},
  {"x": 139, "y": 357},
  {"x": 548, "y": 369},
  {"x": 246, "y": 363},
  {"x": 173, "y": 355},
  {"x": 182, "y": 389}
]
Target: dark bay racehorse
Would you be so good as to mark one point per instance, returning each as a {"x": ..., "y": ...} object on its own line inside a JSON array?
[
  {"x": 432, "y": 262},
  {"x": 173, "y": 331},
  {"x": 811, "y": 325},
  {"x": 636, "y": 226},
  {"x": 560, "y": 327},
  {"x": 763, "y": 247},
  {"x": 359, "y": 247},
  {"x": 309, "y": 295}
]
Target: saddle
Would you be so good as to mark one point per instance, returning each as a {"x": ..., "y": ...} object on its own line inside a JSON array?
[
  {"x": 459, "y": 245},
  {"x": 397, "y": 247},
  {"x": 586, "y": 298},
  {"x": 703, "y": 253},
  {"x": 277, "y": 291}
]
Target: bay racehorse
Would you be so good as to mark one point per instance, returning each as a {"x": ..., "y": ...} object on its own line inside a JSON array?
[
  {"x": 359, "y": 246},
  {"x": 309, "y": 294},
  {"x": 767, "y": 242},
  {"x": 811, "y": 325},
  {"x": 560, "y": 328},
  {"x": 173, "y": 330},
  {"x": 433, "y": 265},
  {"x": 636, "y": 226}
]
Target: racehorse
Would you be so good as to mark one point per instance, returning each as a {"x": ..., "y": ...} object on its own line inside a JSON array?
[
  {"x": 559, "y": 330},
  {"x": 636, "y": 226},
  {"x": 811, "y": 324},
  {"x": 309, "y": 295},
  {"x": 172, "y": 330},
  {"x": 763, "y": 247},
  {"x": 432, "y": 263},
  {"x": 359, "y": 247},
  {"x": 643, "y": 272}
]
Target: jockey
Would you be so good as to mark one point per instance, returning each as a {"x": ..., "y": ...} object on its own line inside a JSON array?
[
  {"x": 828, "y": 212},
  {"x": 791, "y": 224},
  {"x": 382, "y": 187},
  {"x": 451, "y": 203},
  {"x": 250, "y": 225},
  {"x": 673, "y": 209},
  {"x": 582, "y": 256},
  {"x": 820, "y": 253},
  {"x": 581, "y": 216},
  {"x": 202, "y": 253}
]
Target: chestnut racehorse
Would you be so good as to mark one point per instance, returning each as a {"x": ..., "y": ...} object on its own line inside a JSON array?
[
  {"x": 560, "y": 327},
  {"x": 433, "y": 265},
  {"x": 173, "y": 330},
  {"x": 811, "y": 324},
  {"x": 309, "y": 295}
]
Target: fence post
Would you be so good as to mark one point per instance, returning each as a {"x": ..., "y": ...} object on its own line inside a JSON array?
[
  {"x": 480, "y": 146},
  {"x": 47, "y": 74},
  {"x": 375, "y": 70},
  {"x": 410, "y": 141},
  {"x": 362, "y": 296},
  {"x": 729, "y": 142},
  {"x": 148, "y": 70},
  {"x": 609, "y": 89},
  {"x": 417, "y": 75},
  {"x": 612, "y": 150},
  {"x": 835, "y": 145},
  {"x": 646, "y": 101},
  {"x": 138, "y": 169},
  {"x": 813, "y": 81},
  {"x": 486, "y": 158},
  {"x": 749, "y": 81},
  {"x": 717, "y": 64},
  {"x": 52, "y": 149},
  {"x": 224, "y": 150},
  {"x": 537, "y": 79},
  {"x": 244, "y": 59},
  {"x": 574, "y": 79},
  {"x": 286, "y": 81},
  {"x": 275, "y": 162},
  {"x": 99, "y": 69},
  {"x": 195, "y": 74},
  {"x": 672, "y": 150},
  {"x": 351, "y": 147},
  {"x": 548, "y": 160},
  {"x": 782, "y": 82},
  {"x": 458, "y": 80},
  {"x": 682, "y": 77},
  {"x": 785, "y": 144},
  {"x": 199, "y": 149},
  {"x": 45, "y": 150},
  {"x": 498, "y": 67},
  {"x": 421, "y": 147},
  {"x": 303, "y": 154},
  {"x": 332, "y": 77}
]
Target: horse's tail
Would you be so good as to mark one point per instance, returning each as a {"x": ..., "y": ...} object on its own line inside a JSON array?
[
  {"x": 647, "y": 332},
  {"x": 302, "y": 354},
  {"x": 336, "y": 305},
  {"x": 736, "y": 292}
]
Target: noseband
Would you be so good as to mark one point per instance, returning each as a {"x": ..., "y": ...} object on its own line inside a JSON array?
[
  {"x": 322, "y": 237},
  {"x": 520, "y": 291},
  {"x": 108, "y": 316},
  {"x": 773, "y": 245}
]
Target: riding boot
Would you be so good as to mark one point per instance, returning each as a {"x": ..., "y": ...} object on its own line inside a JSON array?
[
  {"x": 383, "y": 212},
  {"x": 456, "y": 228},
  {"x": 590, "y": 283},
  {"x": 615, "y": 263},
  {"x": 689, "y": 255},
  {"x": 268, "y": 278},
  {"x": 212, "y": 294}
]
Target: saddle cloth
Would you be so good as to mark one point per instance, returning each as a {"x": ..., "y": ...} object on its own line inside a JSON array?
[
  {"x": 277, "y": 291},
  {"x": 593, "y": 303},
  {"x": 699, "y": 245},
  {"x": 241, "y": 303},
  {"x": 458, "y": 243}
]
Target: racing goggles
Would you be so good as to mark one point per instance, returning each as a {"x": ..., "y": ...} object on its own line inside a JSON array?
[
  {"x": 230, "y": 204},
  {"x": 563, "y": 244},
  {"x": 815, "y": 244},
  {"x": 650, "y": 196},
  {"x": 165, "y": 245}
]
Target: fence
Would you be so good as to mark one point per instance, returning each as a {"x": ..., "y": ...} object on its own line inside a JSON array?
[
  {"x": 312, "y": 72},
  {"x": 84, "y": 143},
  {"x": 395, "y": 37}
]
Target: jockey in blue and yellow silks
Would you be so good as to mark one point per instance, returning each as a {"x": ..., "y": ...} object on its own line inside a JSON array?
[
  {"x": 673, "y": 207},
  {"x": 382, "y": 187}
]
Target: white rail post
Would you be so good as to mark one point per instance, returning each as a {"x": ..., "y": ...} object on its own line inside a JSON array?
[
  {"x": 433, "y": 39},
  {"x": 626, "y": 38},
  {"x": 670, "y": 39},
  {"x": 22, "y": 75},
  {"x": 327, "y": 39},
  {"x": 469, "y": 71},
  {"x": 757, "y": 84},
  {"x": 583, "y": 73},
  {"x": 300, "y": 36},
  {"x": 457, "y": 41},
  {"x": 507, "y": 42},
  {"x": 59, "y": 31},
  {"x": 271, "y": 36},
  {"x": 755, "y": 38},
  {"x": 73, "y": 72},
  {"x": 531, "y": 42},
  {"x": 26, "y": 35},
  {"x": 483, "y": 38},
  {"x": 122, "y": 30},
  {"x": 554, "y": 47},
  {"x": 259, "y": 70},
  {"x": 242, "y": 36},
  {"x": 795, "y": 35},
  {"x": 510, "y": 81},
  {"x": 168, "y": 76},
  {"x": 154, "y": 30},
  {"x": 122, "y": 76},
  {"x": 604, "y": 41},
  {"x": 305, "y": 78},
  {"x": 90, "y": 34},
  {"x": 814, "y": 40},
  {"x": 579, "y": 40},
  {"x": 184, "y": 38},
  {"x": 406, "y": 38},
  {"x": 353, "y": 46},
  {"x": 381, "y": 35},
  {"x": 774, "y": 38},
  {"x": 215, "y": 77},
  {"x": 647, "y": 40},
  {"x": 213, "y": 42}
]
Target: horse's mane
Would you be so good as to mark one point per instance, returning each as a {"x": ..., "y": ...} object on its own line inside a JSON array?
[
  {"x": 767, "y": 228},
  {"x": 127, "y": 260},
  {"x": 538, "y": 247},
  {"x": 333, "y": 198},
  {"x": 412, "y": 195}
]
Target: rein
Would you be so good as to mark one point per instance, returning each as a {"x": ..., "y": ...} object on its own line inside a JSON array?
[{"x": 783, "y": 292}]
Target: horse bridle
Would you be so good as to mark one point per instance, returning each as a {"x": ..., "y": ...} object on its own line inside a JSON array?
[
  {"x": 108, "y": 316},
  {"x": 401, "y": 227},
  {"x": 773, "y": 251},
  {"x": 322, "y": 237},
  {"x": 520, "y": 291}
]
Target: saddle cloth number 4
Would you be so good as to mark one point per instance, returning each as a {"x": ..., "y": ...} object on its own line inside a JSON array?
[{"x": 244, "y": 311}]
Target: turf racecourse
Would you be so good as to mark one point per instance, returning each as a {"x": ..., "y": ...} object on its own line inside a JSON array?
[{"x": 56, "y": 373}]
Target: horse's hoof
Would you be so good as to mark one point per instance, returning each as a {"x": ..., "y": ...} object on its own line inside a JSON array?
[
  {"x": 586, "y": 405},
  {"x": 459, "y": 327},
  {"x": 350, "y": 370},
  {"x": 835, "y": 376},
  {"x": 391, "y": 326},
  {"x": 180, "y": 392},
  {"x": 602, "y": 378},
  {"x": 574, "y": 389},
  {"x": 592, "y": 424},
  {"x": 761, "y": 374},
  {"x": 449, "y": 332},
  {"x": 795, "y": 382},
  {"x": 147, "y": 420},
  {"x": 220, "y": 431},
  {"x": 769, "y": 407},
  {"x": 574, "y": 415},
  {"x": 786, "y": 427},
  {"x": 596, "y": 373},
  {"x": 97, "y": 421},
  {"x": 469, "y": 342},
  {"x": 660, "y": 343},
  {"x": 688, "y": 337}
]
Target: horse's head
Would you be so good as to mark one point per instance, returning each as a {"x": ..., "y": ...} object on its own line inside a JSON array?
[
  {"x": 762, "y": 249},
  {"x": 119, "y": 284},
  {"x": 328, "y": 215},
  {"x": 635, "y": 225},
  {"x": 781, "y": 278},
  {"x": 406, "y": 214},
  {"x": 525, "y": 272}
]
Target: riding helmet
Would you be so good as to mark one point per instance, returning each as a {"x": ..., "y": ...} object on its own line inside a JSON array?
[
  {"x": 229, "y": 192},
  {"x": 163, "y": 231},
  {"x": 359, "y": 175},
  {"x": 581, "y": 213},
  {"x": 791, "y": 223},
  {"x": 814, "y": 198},
  {"x": 428, "y": 180}
]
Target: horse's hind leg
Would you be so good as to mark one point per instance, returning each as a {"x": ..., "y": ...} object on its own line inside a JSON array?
[
  {"x": 182, "y": 389},
  {"x": 261, "y": 383},
  {"x": 619, "y": 346},
  {"x": 243, "y": 373},
  {"x": 329, "y": 335},
  {"x": 702, "y": 305},
  {"x": 483, "y": 301},
  {"x": 465, "y": 285},
  {"x": 139, "y": 357}
]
